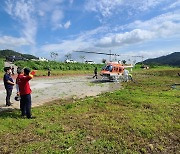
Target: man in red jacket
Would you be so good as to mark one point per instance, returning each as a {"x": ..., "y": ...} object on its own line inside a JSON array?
[{"x": 25, "y": 92}]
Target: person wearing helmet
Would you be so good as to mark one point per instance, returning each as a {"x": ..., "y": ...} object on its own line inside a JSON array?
[
  {"x": 25, "y": 92},
  {"x": 130, "y": 77}
]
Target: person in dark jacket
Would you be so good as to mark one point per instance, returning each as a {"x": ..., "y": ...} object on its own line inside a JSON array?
[
  {"x": 95, "y": 73},
  {"x": 49, "y": 72},
  {"x": 8, "y": 84}
]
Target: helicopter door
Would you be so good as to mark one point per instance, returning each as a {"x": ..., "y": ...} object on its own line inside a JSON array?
[{"x": 120, "y": 69}]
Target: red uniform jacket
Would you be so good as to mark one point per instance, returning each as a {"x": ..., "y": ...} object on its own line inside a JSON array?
[{"x": 23, "y": 82}]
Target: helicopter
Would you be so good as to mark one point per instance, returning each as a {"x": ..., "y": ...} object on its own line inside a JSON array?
[{"x": 112, "y": 70}]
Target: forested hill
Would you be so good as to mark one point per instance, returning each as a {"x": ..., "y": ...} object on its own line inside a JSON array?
[
  {"x": 171, "y": 59},
  {"x": 6, "y": 53}
]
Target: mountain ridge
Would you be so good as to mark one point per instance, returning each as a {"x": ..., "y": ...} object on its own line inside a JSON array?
[
  {"x": 5, "y": 53},
  {"x": 172, "y": 59}
]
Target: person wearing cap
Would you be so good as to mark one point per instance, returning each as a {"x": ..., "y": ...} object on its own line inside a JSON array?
[
  {"x": 25, "y": 92},
  {"x": 8, "y": 84}
]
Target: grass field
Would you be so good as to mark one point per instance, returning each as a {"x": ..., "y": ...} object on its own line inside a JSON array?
[
  {"x": 1, "y": 64},
  {"x": 143, "y": 117},
  {"x": 1, "y": 67}
]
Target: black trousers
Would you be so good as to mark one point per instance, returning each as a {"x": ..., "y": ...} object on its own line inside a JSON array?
[
  {"x": 8, "y": 96},
  {"x": 95, "y": 75},
  {"x": 25, "y": 105}
]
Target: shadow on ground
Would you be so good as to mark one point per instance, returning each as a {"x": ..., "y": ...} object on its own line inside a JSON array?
[{"x": 9, "y": 113}]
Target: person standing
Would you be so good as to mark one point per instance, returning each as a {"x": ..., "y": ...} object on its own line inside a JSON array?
[
  {"x": 130, "y": 77},
  {"x": 12, "y": 70},
  {"x": 126, "y": 75},
  {"x": 25, "y": 92},
  {"x": 8, "y": 84},
  {"x": 19, "y": 72},
  {"x": 95, "y": 73},
  {"x": 49, "y": 72}
]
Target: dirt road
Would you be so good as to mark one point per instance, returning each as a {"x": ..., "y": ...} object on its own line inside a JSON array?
[{"x": 47, "y": 89}]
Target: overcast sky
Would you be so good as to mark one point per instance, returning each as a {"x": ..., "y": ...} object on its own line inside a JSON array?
[{"x": 129, "y": 27}]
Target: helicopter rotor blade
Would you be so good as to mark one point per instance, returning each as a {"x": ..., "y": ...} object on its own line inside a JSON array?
[{"x": 101, "y": 53}]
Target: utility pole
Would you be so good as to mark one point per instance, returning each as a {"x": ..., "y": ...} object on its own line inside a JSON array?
[
  {"x": 142, "y": 60},
  {"x": 110, "y": 56}
]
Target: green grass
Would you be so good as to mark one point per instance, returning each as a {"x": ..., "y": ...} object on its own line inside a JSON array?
[
  {"x": 1, "y": 67},
  {"x": 143, "y": 117}
]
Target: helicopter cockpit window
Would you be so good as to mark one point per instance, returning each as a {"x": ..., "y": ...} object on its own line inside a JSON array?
[{"x": 109, "y": 68}]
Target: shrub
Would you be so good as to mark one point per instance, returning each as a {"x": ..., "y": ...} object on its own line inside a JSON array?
[{"x": 38, "y": 65}]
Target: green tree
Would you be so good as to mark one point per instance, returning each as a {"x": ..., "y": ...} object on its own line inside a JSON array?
[
  {"x": 124, "y": 61},
  {"x": 68, "y": 56},
  {"x": 104, "y": 60},
  {"x": 82, "y": 58},
  {"x": 54, "y": 55}
]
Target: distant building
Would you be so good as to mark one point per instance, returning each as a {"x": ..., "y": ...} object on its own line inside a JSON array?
[
  {"x": 70, "y": 61},
  {"x": 42, "y": 59},
  {"x": 89, "y": 62},
  {"x": 15, "y": 58},
  {"x": 145, "y": 67}
]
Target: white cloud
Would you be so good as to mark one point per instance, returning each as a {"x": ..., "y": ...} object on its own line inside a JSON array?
[
  {"x": 67, "y": 24},
  {"x": 83, "y": 41},
  {"x": 8, "y": 41},
  {"x": 156, "y": 21},
  {"x": 53, "y": 11},
  {"x": 47, "y": 7},
  {"x": 24, "y": 13},
  {"x": 67, "y": 46},
  {"x": 33, "y": 13},
  {"x": 126, "y": 38},
  {"x": 175, "y": 4},
  {"x": 105, "y": 7},
  {"x": 56, "y": 19},
  {"x": 145, "y": 5},
  {"x": 57, "y": 16},
  {"x": 163, "y": 26}
]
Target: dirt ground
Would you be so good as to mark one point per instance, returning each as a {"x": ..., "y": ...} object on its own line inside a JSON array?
[{"x": 48, "y": 89}]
